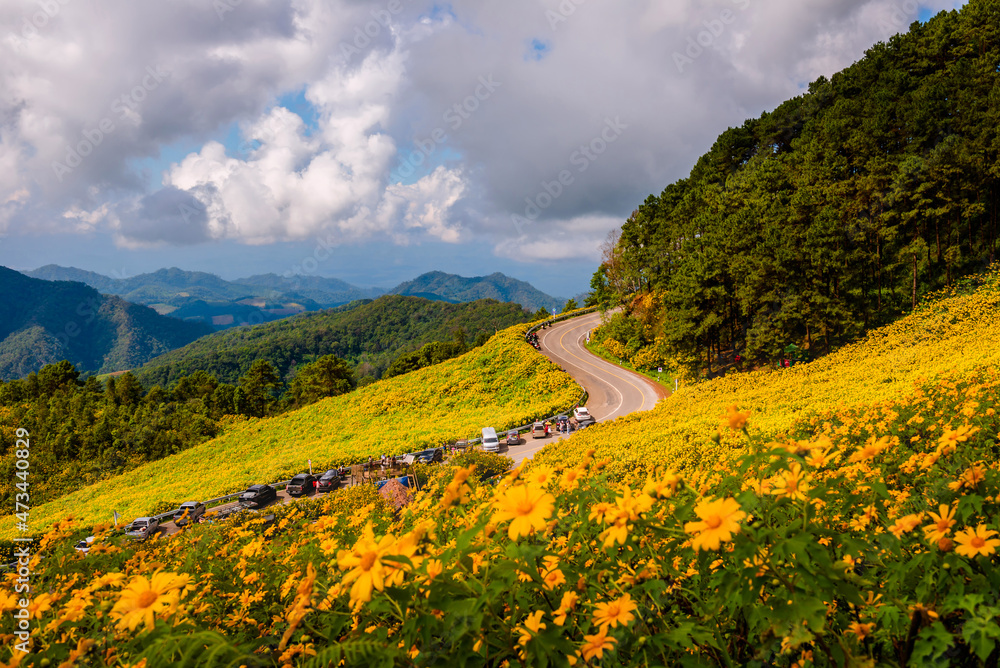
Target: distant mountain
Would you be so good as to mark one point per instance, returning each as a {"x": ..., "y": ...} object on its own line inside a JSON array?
[
  {"x": 42, "y": 322},
  {"x": 368, "y": 334},
  {"x": 325, "y": 291},
  {"x": 455, "y": 289},
  {"x": 202, "y": 297}
]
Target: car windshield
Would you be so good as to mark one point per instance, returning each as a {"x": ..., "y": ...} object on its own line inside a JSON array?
[
  {"x": 138, "y": 524},
  {"x": 250, "y": 492},
  {"x": 298, "y": 480}
]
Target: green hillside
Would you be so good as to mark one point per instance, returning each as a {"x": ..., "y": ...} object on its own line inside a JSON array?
[
  {"x": 831, "y": 214},
  {"x": 370, "y": 335},
  {"x": 43, "y": 322},
  {"x": 503, "y": 383}
]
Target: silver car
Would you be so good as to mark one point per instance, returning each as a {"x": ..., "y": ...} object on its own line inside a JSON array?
[
  {"x": 143, "y": 528},
  {"x": 193, "y": 511}
]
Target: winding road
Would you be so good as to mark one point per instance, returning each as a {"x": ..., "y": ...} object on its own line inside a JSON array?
[{"x": 613, "y": 391}]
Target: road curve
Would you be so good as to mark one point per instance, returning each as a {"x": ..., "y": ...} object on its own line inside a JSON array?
[{"x": 613, "y": 391}]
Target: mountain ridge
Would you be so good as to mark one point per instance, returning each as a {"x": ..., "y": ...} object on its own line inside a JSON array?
[{"x": 43, "y": 322}]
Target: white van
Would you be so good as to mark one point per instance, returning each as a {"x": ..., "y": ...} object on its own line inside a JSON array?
[{"x": 490, "y": 441}]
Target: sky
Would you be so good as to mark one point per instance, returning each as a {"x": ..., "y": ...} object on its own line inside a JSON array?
[{"x": 374, "y": 141}]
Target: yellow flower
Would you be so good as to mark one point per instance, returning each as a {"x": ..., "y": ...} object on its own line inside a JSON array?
[
  {"x": 952, "y": 437},
  {"x": 862, "y": 631},
  {"x": 735, "y": 418},
  {"x": 792, "y": 483},
  {"x": 364, "y": 566},
  {"x": 569, "y": 600},
  {"x": 143, "y": 599},
  {"x": 720, "y": 519},
  {"x": 532, "y": 625},
  {"x": 553, "y": 579},
  {"x": 973, "y": 542},
  {"x": 527, "y": 506},
  {"x": 615, "y": 612},
  {"x": 942, "y": 525},
  {"x": 906, "y": 524},
  {"x": 870, "y": 449},
  {"x": 595, "y": 645}
]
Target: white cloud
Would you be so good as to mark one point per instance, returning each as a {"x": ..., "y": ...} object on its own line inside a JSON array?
[
  {"x": 576, "y": 238},
  {"x": 374, "y": 94}
]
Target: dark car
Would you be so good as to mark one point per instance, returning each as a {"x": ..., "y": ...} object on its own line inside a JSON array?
[
  {"x": 513, "y": 438},
  {"x": 429, "y": 456},
  {"x": 258, "y": 496},
  {"x": 303, "y": 483},
  {"x": 329, "y": 481}
]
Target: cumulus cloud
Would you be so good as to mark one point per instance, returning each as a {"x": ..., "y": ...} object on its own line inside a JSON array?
[{"x": 424, "y": 121}]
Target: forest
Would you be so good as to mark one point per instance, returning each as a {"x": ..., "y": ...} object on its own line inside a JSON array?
[
  {"x": 834, "y": 213},
  {"x": 370, "y": 335}
]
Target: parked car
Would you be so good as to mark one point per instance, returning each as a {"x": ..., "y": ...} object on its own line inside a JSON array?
[
  {"x": 490, "y": 441},
  {"x": 142, "y": 528},
  {"x": 513, "y": 438},
  {"x": 258, "y": 496},
  {"x": 84, "y": 545},
  {"x": 329, "y": 481},
  {"x": 220, "y": 515},
  {"x": 538, "y": 430},
  {"x": 582, "y": 415},
  {"x": 428, "y": 456},
  {"x": 188, "y": 513},
  {"x": 303, "y": 483}
]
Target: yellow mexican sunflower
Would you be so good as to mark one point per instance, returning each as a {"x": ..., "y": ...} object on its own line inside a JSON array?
[
  {"x": 527, "y": 506},
  {"x": 143, "y": 599},
  {"x": 595, "y": 645},
  {"x": 720, "y": 519},
  {"x": 613, "y": 613},
  {"x": 364, "y": 566},
  {"x": 735, "y": 418},
  {"x": 944, "y": 520},
  {"x": 973, "y": 542}
]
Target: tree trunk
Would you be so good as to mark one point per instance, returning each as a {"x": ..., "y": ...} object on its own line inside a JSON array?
[{"x": 914, "y": 281}]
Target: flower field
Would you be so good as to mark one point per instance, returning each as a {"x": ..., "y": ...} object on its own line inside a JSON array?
[
  {"x": 505, "y": 383},
  {"x": 835, "y": 516},
  {"x": 950, "y": 335}
]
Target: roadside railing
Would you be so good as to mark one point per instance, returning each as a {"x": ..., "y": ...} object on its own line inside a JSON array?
[
  {"x": 228, "y": 498},
  {"x": 583, "y": 392}
]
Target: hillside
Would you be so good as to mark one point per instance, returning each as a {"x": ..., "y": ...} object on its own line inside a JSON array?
[
  {"x": 827, "y": 533},
  {"x": 43, "y": 322},
  {"x": 829, "y": 215},
  {"x": 455, "y": 289},
  {"x": 503, "y": 383},
  {"x": 952, "y": 335},
  {"x": 370, "y": 334}
]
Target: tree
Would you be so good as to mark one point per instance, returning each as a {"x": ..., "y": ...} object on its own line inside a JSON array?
[
  {"x": 570, "y": 306},
  {"x": 258, "y": 389},
  {"x": 60, "y": 376},
  {"x": 128, "y": 390},
  {"x": 328, "y": 376}
]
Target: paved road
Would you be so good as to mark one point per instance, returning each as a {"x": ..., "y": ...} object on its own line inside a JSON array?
[{"x": 613, "y": 391}]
